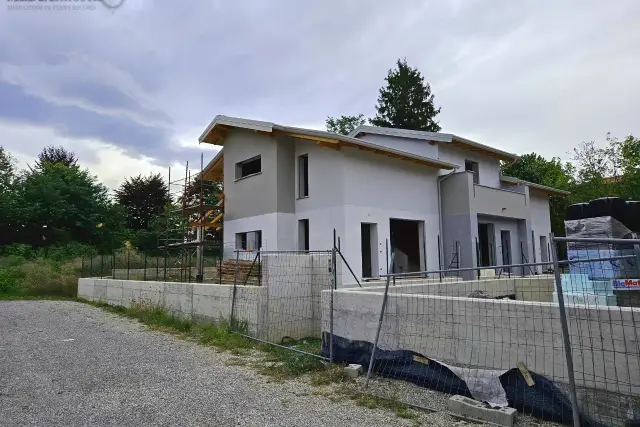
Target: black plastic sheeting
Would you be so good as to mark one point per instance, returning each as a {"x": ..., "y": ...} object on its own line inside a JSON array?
[{"x": 543, "y": 400}]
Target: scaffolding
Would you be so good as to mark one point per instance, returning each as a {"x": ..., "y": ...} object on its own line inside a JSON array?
[{"x": 190, "y": 225}]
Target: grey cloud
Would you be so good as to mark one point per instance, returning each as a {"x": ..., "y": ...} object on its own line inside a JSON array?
[{"x": 520, "y": 75}]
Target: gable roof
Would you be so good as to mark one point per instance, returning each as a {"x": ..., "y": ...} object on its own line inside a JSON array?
[
  {"x": 217, "y": 130},
  {"x": 447, "y": 138},
  {"x": 510, "y": 180}
]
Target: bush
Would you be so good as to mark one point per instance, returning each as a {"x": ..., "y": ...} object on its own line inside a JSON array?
[
  {"x": 9, "y": 280},
  {"x": 43, "y": 277}
]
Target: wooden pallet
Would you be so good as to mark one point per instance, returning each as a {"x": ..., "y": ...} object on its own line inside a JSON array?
[{"x": 228, "y": 271}]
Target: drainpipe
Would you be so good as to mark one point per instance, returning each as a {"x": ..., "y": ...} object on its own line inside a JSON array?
[{"x": 440, "y": 179}]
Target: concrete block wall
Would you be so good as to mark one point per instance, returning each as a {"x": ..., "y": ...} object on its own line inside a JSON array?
[
  {"x": 190, "y": 300},
  {"x": 497, "y": 334}
]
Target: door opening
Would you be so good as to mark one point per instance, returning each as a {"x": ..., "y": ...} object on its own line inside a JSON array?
[
  {"x": 505, "y": 238},
  {"x": 486, "y": 242},
  {"x": 405, "y": 242},
  {"x": 369, "y": 250},
  {"x": 544, "y": 253}
]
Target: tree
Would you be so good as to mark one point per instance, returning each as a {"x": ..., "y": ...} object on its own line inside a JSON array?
[
  {"x": 344, "y": 124},
  {"x": 57, "y": 155},
  {"x": 142, "y": 199},
  {"x": 406, "y": 102},
  {"x": 8, "y": 226},
  {"x": 58, "y": 204},
  {"x": 552, "y": 173}
]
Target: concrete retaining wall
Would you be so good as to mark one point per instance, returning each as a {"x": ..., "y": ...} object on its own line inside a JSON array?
[
  {"x": 190, "y": 300},
  {"x": 497, "y": 334},
  {"x": 287, "y": 305},
  {"x": 530, "y": 288}
]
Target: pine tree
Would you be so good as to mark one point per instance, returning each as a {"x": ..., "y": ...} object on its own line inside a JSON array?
[{"x": 406, "y": 102}]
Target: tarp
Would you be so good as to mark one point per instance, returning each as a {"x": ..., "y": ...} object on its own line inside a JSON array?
[{"x": 542, "y": 400}]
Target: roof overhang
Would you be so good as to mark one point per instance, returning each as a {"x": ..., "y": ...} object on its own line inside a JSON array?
[
  {"x": 509, "y": 180},
  {"x": 456, "y": 141},
  {"x": 214, "y": 170},
  {"x": 218, "y": 129}
]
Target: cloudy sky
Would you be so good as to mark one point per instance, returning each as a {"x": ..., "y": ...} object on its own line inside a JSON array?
[{"x": 131, "y": 89}]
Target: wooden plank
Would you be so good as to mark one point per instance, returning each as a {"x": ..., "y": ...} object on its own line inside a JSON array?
[
  {"x": 330, "y": 146},
  {"x": 313, "y": 138},
  {"x": 526, "y": 374}
]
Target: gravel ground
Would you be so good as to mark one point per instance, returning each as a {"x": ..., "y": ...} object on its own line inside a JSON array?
[
  {"x": 71, "y": 364},
  {"x": 66, "y": 363}
]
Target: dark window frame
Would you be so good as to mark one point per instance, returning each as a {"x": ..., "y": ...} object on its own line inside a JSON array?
[{"x": 249, "y": 167}]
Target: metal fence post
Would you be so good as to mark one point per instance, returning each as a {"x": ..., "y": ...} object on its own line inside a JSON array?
[
  {"x": 82, "y": 266},
  {"x": 235, "y": 283},
  {"x": 565, "y": 333},
  {"x": 91, "y": 267},
  {"x": 101, "y": 264},
  {"x": 334, "y": 286},
  {"x": 380, "y": 319},
  {"x": 636, "y": 250},
  {"x": 128, "y": 262},
  {"x": 144, "y": 267}
]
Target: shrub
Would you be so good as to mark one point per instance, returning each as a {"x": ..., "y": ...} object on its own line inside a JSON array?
[
  {"x": 9, "y": 280},
  {"x": 43, "y": 277}
]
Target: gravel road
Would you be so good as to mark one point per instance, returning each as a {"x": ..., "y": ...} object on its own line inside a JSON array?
[{"x": 70, "y": 364}]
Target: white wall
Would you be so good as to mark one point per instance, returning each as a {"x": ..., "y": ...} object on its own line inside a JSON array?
[
  {"x": 409, "y": 145},
  {"x": 540, "y": 219},
  {"x": 377, "y": 189},
  {"x": 324, "y": 208},
  {"x": 489, "y": 167}
]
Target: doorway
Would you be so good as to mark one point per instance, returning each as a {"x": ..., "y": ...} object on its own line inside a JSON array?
[
  {"x": 369, "y": 247},
  {"x": 544, "y": 251},
  {"x": 505, "y": 238},
  {"x": 405, "y": 243},
  {"x": 486, "y": 243}
]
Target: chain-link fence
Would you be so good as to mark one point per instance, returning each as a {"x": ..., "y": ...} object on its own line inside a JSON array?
[
  {"x": 277, "y": 296},
  {"x": 521, "y": 342},
  {"x": 599, "y": 304}
]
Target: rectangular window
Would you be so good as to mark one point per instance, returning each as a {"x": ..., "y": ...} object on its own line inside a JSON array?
[
  {"x": 248, "y": 167},
  {"x": 303, "y": 176},
  {"x": 303, "y": 235},
  {"x": 472, "y": 166},
  {"x": 251, "y": 240}
]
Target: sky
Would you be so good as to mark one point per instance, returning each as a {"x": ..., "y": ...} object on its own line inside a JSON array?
[{"x": 130, "y": 89}]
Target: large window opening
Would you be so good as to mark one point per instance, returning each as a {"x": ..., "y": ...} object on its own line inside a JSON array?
[
  {"x": 248, "y": 167},
  {"x": 405, "y": 243},
  {"x": 472, "y": 166},
  {"x": 251, "y": 240},
  {"x": 303, "y": 235},
  {"x": 303, "y": 176}
]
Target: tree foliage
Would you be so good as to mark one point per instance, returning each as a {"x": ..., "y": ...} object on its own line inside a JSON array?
[
  {"x": 56, "y": 155},
  {"x": 612, "y": 169},
  {"x": 142, "y": 199},
  {"x": 406, "y": 101},
  {"x": 57, "y": 204},
  {"x": 344, "y": 124}
]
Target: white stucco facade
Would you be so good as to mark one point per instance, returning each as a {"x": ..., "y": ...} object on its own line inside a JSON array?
[{"x": 363, "y": 183}]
